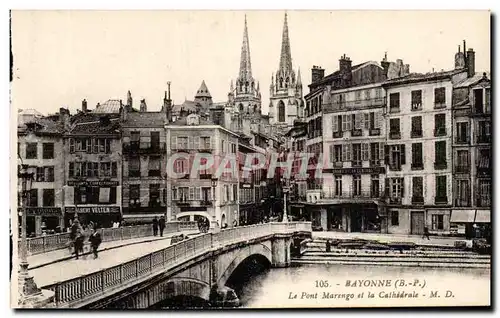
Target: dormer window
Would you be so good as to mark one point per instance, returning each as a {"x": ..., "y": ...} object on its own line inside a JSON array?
[{"x": 193, "y": 120}]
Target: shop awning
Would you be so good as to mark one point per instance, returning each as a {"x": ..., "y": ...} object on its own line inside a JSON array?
[
  {"x": 483, "y": 216},
  {"x": 462, "y": 216}
]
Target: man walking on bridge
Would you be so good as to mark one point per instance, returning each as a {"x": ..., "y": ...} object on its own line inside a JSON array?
[{"x": 161, "y": 224}]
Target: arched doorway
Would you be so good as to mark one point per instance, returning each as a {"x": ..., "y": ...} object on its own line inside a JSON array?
[
  {"x": 281, "y": 111},
  {"x": 223, "y": 220}
]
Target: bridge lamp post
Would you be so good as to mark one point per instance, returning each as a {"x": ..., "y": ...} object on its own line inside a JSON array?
[
  {"x": 214, "y": 185},
  {"x": 30, "y": 296},
  {"x": 285, "y": 191}
]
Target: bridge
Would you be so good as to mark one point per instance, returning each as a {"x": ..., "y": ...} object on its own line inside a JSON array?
[{"x": 151, "y": 271}]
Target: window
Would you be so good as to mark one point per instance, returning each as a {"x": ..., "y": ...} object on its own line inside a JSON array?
[
  {"x": 183, "y": 194},
  {"x": 440, "y": 155},
  {"x": 463, "y": 193},
  {"x": 487, "y": 97},
  {"x": 394, "y": 218},
  {"x": 462, "y": 132},
  {"x": 134, "y": 167},
  {"x": 356, "y": 155},
  {"x": 135, "y": 195},
  {"x": 33, "y": 198},
  {"x": 394, "y": 102},
  {"x": 155, "y": 140},
  {"x": 394, "y": 132},
  {"x": 396, "y": 188},
  {"x": 441, "y": 196},
  {"x": 337, "y": 149},
  {"x": 417, "y": 190},
  {"x": 346, "y": 152},
  {"x": 154, "y": 169},
  {"x": 416, "y": 100},
  {"x": 45, "y": 174},
  {"x": 484, "y": 131},
  {"x": 478, "y": 100},
  {"x": 375, "y": 186},
  {"x": 154, "y": 195},
  {"x": 416, "y": 127},
  {"x": 484, "y": 197},
  {"x": 31, "y": 150},
  {"x": 235, "y": 192},
  {"x": 48, "y": 197},
  {"x": 182, "y": 143},
  {"x": 440, "y": 97},
  {"x": 439, "y": 125},
  {"x": 356, "y": 184},
  {"x": 105, "y": 169},
  {"x": 48, "y": 150},
  {"x": 281, "y": 111},
  {"x": 365, "y": 152},
  {"x": 338, "y": 185},
  {"x": 437, "y": 222},
  {"x": 205, "y": 143},
  {"x": 206, "y": 194},
  {"x": 416, "y": 156},
  {"x": 462, "y": 163},
  {"x": 483, "y": 162},
  {"x": 114, "y": 169},
  {"x": 397, "y": 156},
  {"x": 346, "y": 122}
]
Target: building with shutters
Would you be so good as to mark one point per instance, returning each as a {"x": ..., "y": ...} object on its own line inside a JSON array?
[
  {"x": 93, "y": 160},
  {"x": 419, "y": 177},
  {"x": 192, "y": 194}
]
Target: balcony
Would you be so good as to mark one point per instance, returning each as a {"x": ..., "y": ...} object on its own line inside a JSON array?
[
  {"x": 395, "y": 135},
  {"x": 462, "y": 202},
  {"x": 483, "y": 171},
  {"x": 440, "y": 165},
  {"x": 417, "y": 199},
  {"x": 338, "y": 134},
  {"x": 337, "y": 164},
  {"x": 374, "y": 131},
  {"x": 394, "y": 109},
  {"x": 416, "y": 106},
  {"x": 441, "y": 200},
  {"x": 462, "y": 140},
  {"x": 154, "y": 173},
  {"x": 356, "y": 163},
  {"x": 483, "y": 139},
  {"x": 417, "y": 166},
  {"x": 394, "y": 200},
  {"x": 182, "y": 201},
  {"x": 206, "y": 203},
  {"x": 356, "y": 133},
  {"x": 351, "y": 194},
  {"x": 205, "y": 176},
  {"x": 484, "y": 201},
  {"x": 374, "y": 162},
  {"x": 462, "y": 169},
  {"x": 143, "y": 148},
  {"x": 360, "y": 103},
  {"x": 134, "y": 173},
  {"x": 440, "y": 131},
  {"x": 395, "y": 167},
  {"x": 416, "y": 134},
  {"x": 440, "y": 104}
]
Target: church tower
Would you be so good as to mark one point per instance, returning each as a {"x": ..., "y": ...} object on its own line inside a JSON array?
[
  {"x": 203, "y": 97},
  {"x": 244, "y": 97},
  {"x": 285, "y": 92}
]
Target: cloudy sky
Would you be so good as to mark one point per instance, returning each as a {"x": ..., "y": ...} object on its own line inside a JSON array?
[{"x": 61, "y": 57}]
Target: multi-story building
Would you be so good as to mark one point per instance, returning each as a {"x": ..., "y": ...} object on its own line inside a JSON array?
[
  {"x": 296, "y": 141},
  {"x": 418, "y": 183},
  {"x": 286, "y": 103},
  {"x": 40, "y": 146},
  {"x": 471, "y": 151},
  {"x": 192, "y": 196},
  {"x": 93, "y": 165},
  {"x": 144, "y": 163}
]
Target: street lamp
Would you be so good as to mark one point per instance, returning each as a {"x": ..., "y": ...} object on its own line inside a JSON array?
[
  {"x": 29, "y": 293},
  {"x": 214, "y": 185},
  {"x": 285, "y": 191}
]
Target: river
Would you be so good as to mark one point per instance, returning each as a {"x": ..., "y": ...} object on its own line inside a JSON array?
[{"x": 310, "y": 284}]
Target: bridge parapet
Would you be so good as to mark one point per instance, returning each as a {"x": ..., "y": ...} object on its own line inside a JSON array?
[
  {"x": 87, "y": 289},
  {"x": 43, "y": 244}
]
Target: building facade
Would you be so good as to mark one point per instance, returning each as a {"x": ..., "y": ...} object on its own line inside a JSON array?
[
  {"x": 194, "y": 193},
  {"x": 286, "y": 102}
]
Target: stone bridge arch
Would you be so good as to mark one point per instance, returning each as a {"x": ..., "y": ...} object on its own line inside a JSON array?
[
  {"x": 240, "y": 256},
  {"x": 179, "y": 286}
]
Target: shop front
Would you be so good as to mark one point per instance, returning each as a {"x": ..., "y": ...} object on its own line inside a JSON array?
[
  {"x": 42, "y": 221},
  {"x": 102, "y": 216}
]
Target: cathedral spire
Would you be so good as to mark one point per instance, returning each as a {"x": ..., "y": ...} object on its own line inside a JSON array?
[
  {"x": 286, "y": 55},
  {"x": 245, "y": 64},
  {"x": 299, "y": 79}
]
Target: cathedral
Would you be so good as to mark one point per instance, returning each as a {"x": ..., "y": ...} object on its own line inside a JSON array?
[{"x": 286, "y": 102}]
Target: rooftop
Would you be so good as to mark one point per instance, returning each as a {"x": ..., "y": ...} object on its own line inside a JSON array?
[
  {"x": 145, "y": 119},
  {"x": 470, "y": 81},
  {"x": 419, "y": 77}
]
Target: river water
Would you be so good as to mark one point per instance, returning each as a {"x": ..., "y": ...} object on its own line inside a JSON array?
[{"x": 323, "y": 285}]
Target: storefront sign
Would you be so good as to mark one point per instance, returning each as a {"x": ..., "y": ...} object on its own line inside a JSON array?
[
  {"x": 95, "y": 183},
  {"x": 246, "y": 185},
  {"x": 42, "y": 211},
  {"x": 368, "y": 170},
  {"x": 93, "y": 209}
]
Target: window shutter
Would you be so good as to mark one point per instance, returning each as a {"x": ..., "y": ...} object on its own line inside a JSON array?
[
  {"x": 387, "y": 187},
  {"x": 71, "y": 145},
  {"x": 367, "y": 121},
  {"x": 365, "y": 151},
  {"x": 89, "y": 146},
  {"x": 403, "y": 154},
  {"x": 344, "y": 122},
  {"x": 349, "y": 152},
  {"x": 173, "y": 143},
  {"x": 335, "y": 124},
  {"x": 191, "y": 193},
  {"x": 386, "y": 154},
  {"x": 361, "y": 121},
  {"x": 114, "y": 169},
  {"x": 357, "y": 120},
  {"x": 197, "y": 143},
  {"x": 344, "y": 152},
  {"x": 381, "y": 151},
  {"x": 349, "y": 122},
  {"x": 197, "y": 193},
  {"x": 402, "y": 187},
  {"x": 378, "y": 120},
  {"x": 71, "y": 169},
  {"x": 212, "y": 143},
  {"x": 332, "y": 158},
  {"x": 190, "y": 142}
]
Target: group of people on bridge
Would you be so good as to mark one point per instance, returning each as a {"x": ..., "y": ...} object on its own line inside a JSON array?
[{"x": 78, "y": 233}]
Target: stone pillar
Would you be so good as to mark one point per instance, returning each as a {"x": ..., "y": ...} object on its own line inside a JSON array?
[
  {"x": 61, "y": 224},
  {"x": 324, "y": 219},
  {"x": 281, "y": 251},
  {"x": 38, "y": 225}
]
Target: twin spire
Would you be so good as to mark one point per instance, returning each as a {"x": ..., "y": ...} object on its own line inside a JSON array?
[
  {"x": 286, "y": 54},
  {"x": 245, "y": 63}
]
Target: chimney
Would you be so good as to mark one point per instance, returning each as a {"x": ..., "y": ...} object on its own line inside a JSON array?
[
  {"x": 317, "y": 74},
  {"x": 459, "y": 59},
  {"x": 143, "y": 107},
  {"x": 385, "y": 64},
  {"x": 345, "y": 65},
  {"x": 84, "y": 106},
  {"x": 471, "y": 62},
  {"x": 167, "y": 104},
  {"x": 64, "y": 117}
]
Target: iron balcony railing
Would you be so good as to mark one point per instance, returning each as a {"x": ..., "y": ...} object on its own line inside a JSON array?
[
  {"x": 83, "y": 290},
  {"x": 143, "y": 148},
  {"x": 354, "y": 104}
]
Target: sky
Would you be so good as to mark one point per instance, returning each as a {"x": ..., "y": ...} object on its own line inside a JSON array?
[{"x": 62, "y": 57}]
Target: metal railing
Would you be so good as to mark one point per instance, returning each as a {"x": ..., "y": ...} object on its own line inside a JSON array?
[
  {"x": 98, "y": 284},
  {"x": 43, "y": 244}
]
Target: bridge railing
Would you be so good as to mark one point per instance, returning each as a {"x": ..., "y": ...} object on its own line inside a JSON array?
[
  {"x": 97, "y": 284},
  {"x": 43, "y": 244}
]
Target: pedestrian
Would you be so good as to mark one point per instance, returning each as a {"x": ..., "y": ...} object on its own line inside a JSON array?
[
  {"x": 79, "y": 243},
  {"x": 426, "y": 233},
  {"x": 235, "y": 223},
  {"x": 95, "y": 240},
  {"x": 161, "y": 224},
  {"x": 328, "y": 246},
  {"x": 155, "y": 226}
]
